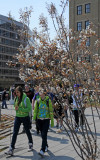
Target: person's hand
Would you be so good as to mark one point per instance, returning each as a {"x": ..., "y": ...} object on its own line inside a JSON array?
[
  {"x": 34, "y": 121},
  {"x": 16, "y": 108},
  {"x": 52, "y": 122}
]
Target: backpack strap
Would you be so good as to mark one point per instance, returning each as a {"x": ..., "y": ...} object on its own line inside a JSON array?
[
  {"x": 25, "y": 102},
  {"x": 38, "y": 101},
  {"x": 47, "y": 102}
]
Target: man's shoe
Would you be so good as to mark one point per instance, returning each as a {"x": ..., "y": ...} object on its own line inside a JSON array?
[
  {"x": 10, "y": 152},
  {"x": 46, "y": 149},
  {"x": 61, "y": 127},
  {"x": 37, "y": 132},
  {"x": 57, "y": 126},
  {"x": 41, "y": 153},
  {"x": 30, "y": 147}
]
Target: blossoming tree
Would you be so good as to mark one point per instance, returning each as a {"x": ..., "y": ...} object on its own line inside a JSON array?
[{"x": 54, "y": 62}]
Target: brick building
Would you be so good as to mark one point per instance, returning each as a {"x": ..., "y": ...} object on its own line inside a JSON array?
[{"x": 81, "y": 13}]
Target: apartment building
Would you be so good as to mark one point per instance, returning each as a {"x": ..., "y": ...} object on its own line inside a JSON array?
[
  {"x": 9, "y": 43},
  {"x": 81, "y": 14}
]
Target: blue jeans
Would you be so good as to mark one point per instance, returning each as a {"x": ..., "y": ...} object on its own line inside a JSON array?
[
  {"x": 43, "y": 127},
  {"x": 4, "y": 103},
  {"x": 17, "y": 123}
]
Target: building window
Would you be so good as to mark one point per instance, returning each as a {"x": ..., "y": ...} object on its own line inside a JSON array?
[
  {"x": 79, "y": 58},
  {"x": 79, "y": 10},
  {"x": 2, "y": 23},
  {"x": 86, "y": 24},
  {"x": 79, "y": 26},
  {"x": 88, "y": 41},
  {"x": 87, "y": 8},
  {"x": 87, "y": 58},
  {"x": 79, "y": 42}
]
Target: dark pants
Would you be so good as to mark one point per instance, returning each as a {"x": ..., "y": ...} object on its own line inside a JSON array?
[
  {"x": 37, "y": 126},
  {"x": 77, "y": 114},
  {"x": 43, "y": 126},
  {"x": 4, "y": 103},
  {"x": 17, "y": 123}
]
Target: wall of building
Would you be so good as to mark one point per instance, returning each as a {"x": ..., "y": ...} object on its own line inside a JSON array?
[
  {"x": 93, "y": 16},
  {"x": 9, "y": 43}
]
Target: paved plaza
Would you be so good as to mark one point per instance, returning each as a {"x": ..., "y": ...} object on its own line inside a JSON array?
[{"x": 60, "y": 147}]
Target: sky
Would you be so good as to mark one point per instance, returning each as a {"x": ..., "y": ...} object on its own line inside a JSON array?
[{"x": 39, "y": 7}]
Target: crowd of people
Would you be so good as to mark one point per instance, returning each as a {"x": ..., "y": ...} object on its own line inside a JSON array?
[{"x": 43, "y": 106}]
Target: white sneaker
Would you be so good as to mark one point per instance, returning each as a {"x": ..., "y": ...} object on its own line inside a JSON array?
[
  {"x": 41, "y": 153},
  {"x": 30, "y": 147},
  {"x": 46, "y": 149},
  {"x": 61, "y": 127},
  {"x": 10, "y": 152}
]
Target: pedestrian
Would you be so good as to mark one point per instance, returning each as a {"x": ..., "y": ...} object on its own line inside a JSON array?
[
  {"x": 4, "y": 96},
  {"x": 58, "y": 108},
  {"x": 65, "y": 102},
  {"x": 30, "y": 95},
  {"x": 77, "y": 106},
  {"x": 22, "y": 107},
  {"x": 44, "y": 112},
  {"x": 29, "y": 92},
  {"x": 36, "y": 97}
]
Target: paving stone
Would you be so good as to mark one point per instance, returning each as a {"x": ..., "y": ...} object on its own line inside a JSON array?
[{"x": 60, "y": 146}]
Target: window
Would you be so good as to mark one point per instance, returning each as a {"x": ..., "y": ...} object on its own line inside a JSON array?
[
  {"x": 79, "y": 58},
  {"x": 79, "y": 42},
  {"x": 87, "y": 8},
  {"x": 79, "y": 10},
  {"x": 2, "y": 23},
  {"x": 88, "y": 41},
  {"x": 87, "y": 58},
  {"x": 79, "y": 26},
  {"x": 86, "y": 24}
]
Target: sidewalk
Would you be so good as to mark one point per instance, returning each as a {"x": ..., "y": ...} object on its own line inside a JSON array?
[{"x": 60, "y": 147}]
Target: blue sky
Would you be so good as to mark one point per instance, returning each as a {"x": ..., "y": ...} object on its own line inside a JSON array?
[{"x": 39, "y": 6}]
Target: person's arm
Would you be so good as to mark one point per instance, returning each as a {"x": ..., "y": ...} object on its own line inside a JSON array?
[
  {"x": 51, "y": 113},
  {"x": 33, "y": 101},
  {"x": 35, "y": 110}
]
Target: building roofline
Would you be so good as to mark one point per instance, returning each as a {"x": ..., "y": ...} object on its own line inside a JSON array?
[{"x": 5, "y": 18}]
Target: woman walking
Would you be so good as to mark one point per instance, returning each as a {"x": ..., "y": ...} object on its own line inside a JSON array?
[
  {"x": 22, "y": 107},
  {"x": 43, "y": 111}
]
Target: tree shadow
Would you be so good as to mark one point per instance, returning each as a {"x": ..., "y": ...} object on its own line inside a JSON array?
[
  {"x": 53, "y": 157},
  {"x": 61, "y": 139},
  {"x": 36, "y": 156}
]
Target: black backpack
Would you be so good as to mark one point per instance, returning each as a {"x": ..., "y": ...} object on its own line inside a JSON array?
[{"x": 70, "y": 99}]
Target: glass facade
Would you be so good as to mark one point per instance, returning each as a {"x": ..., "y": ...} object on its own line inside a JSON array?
[{"x": 9, "y": 44}]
